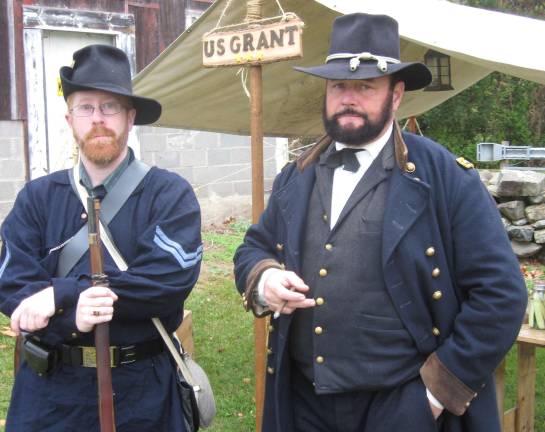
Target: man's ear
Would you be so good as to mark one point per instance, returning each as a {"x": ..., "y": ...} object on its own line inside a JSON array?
[
  {"x": 131, "y": 115},
  {"x": 398, "y": 92},
  {"x": 69, "y": 119}
]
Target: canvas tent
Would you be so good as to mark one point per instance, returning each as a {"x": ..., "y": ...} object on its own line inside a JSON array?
[{"x": 478, "y": 41}]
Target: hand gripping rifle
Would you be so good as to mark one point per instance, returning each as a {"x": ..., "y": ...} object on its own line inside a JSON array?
[{"x": 102, "y": 331}]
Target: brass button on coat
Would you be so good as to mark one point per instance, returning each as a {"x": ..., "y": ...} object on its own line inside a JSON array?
[
  {"x": 84, "y": 216},
  {"x": 74, "y": 335},
  {"x": 437, "y": 295},
  {"x": 320, "y": 301},
  {"x": 328, "y": 246},
  {"x": 319, "y": 359},
  {"x": 324, "y": 217},
  {"x": 271, "y": 328},
  {"x": 318, "y": 330},
  {"x": 269, "y": 351},
  {"x": 279, "y": 247},
  {"x": 410, "y": 167},
  {"x": 323, "y": 272},
  {"x": 270, "y": 370},
  {"x": 435, "y": 272},
  {"x": 435, "y": 331},
  {"x": 430, "y": 251}
]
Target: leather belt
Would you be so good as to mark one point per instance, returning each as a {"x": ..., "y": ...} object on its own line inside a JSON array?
[{"x": 119, "y": 355}]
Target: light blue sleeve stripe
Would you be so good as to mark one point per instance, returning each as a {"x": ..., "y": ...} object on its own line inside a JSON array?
[
  {"x": 186, "y": 255},
  {"x": 185, "y": 260},
  {"x": 6, "y": 261}
]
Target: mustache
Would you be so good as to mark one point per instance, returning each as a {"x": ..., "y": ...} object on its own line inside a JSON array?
[
  {"x": 99, "y": 131},
  {"x": 349, "y": 111}
]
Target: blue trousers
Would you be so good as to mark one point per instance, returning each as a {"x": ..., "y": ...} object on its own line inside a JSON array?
[
  {"x": 403, "y": 409},
  {"x": 146, "y": 399}
]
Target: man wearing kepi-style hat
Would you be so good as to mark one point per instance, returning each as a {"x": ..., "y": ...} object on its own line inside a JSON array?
[
  {"x": 152, "y": 217},
  {"x": 392, "y": 284}
]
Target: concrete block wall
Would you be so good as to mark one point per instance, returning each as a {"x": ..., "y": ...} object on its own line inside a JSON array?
[
  {"x": 12, "y": 163},
  {"x": 218, "y": 166}
]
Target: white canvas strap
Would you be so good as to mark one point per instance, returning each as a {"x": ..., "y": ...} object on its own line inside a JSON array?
[{"x": 175, "y": 354}]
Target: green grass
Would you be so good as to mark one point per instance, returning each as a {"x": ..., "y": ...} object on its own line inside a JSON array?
[
  {"x": 223, "y": 336},
  {"x": 6, "y": 368},
  {"x": 223, "y": 332}
]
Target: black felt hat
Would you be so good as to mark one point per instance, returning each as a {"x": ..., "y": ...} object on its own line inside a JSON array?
[
  {"x": 366, "y": 46},
  {"x": 104, "y": 67}
]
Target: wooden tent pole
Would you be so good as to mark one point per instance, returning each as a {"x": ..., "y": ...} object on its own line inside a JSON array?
[
  {"x": 412, "y": 125},
  {"x": 258, "y": 193},
  {"x": 254, "y": 12}
]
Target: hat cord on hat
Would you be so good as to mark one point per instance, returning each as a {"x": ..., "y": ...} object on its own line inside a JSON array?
[{"x": 355, "y": 59}]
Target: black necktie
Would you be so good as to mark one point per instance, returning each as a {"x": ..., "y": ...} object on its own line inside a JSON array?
[{"x": 346, "y": 157}]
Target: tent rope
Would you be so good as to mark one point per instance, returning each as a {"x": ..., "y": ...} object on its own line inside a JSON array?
[
  {"x": 417, "y": 126},
  {"x": 243, "y": 72},
  {"x": 222, "y": 14}
]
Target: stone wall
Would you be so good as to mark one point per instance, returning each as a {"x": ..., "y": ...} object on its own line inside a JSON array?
[
  {"x": 12, "y": 163},
  {"x": 520, "y": 195}
]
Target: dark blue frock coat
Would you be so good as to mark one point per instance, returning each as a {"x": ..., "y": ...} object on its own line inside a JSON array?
[{"x": 441, "y": 205}]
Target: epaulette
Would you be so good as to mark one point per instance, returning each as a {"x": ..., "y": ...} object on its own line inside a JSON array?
[{"x": 464, "y": 163}]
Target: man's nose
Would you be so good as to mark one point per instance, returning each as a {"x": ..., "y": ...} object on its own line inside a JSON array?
[
  {"x": 97, "y": 116},
  {"x": 348, "y": 97}
]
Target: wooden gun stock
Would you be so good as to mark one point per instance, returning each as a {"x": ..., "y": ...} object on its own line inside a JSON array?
[{"x": 102, "y": 331}]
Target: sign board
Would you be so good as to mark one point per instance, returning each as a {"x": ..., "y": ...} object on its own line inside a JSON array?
[{"x": 255, "y": 44}]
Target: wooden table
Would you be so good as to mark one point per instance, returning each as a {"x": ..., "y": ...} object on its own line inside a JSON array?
[
  {"x": 185, "y": 333},
  {"x": 521, "y": 417}
]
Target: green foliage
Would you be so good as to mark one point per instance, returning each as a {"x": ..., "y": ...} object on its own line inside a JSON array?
[
  {"x": 530, "y": 8},
  {"x": 497, "y": 108}
]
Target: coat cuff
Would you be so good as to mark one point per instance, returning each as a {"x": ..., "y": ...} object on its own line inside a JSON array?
[
  {"x": 252, "y": 281},
  {"x": 445, "y": 386}
]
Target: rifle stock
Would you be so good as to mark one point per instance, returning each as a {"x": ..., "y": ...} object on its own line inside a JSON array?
[{"x": 102, "y": 331}]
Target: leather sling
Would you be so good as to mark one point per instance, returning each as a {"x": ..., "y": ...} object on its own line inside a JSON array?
[{"x": 76, "y": 247}]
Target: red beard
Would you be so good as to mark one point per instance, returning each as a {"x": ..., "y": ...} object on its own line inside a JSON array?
[{"x": 101, "y": 146}]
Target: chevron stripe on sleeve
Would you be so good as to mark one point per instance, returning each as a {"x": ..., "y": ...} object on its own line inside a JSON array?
[{"x": 185, "y": 259}]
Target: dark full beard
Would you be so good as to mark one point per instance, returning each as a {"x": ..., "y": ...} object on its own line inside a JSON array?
[
  {"x": 368, "y": 132},
  {"x": 105, "y": 151}
]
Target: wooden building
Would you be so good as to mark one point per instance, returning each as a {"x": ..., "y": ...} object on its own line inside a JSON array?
[{"x": 37, "y": 37}]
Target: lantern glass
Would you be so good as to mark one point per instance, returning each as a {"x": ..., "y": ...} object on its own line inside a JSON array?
[{"x": 439, "y": 65}]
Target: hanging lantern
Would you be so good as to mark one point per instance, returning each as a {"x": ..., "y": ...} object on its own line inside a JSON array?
[{"x": 439, "y": 65}]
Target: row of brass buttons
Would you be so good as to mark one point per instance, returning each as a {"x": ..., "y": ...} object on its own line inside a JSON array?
[{"x": 437, "y": 295}]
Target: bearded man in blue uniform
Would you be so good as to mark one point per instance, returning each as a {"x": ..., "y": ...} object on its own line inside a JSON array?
[
  {"x": 45, "y": 286},
  {"x": 394, "y": 288}
]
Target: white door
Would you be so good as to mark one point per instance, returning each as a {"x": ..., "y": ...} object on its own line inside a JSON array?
[{"x": 58, "y": 47}]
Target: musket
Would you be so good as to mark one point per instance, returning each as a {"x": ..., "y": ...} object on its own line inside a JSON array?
[{"x": 102, "y": 331}]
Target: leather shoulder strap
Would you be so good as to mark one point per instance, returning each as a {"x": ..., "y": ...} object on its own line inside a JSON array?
[{"x": 76, "y": 247}]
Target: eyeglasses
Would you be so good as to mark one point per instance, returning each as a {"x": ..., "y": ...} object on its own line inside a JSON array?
[{"x": 106, "y": 108}]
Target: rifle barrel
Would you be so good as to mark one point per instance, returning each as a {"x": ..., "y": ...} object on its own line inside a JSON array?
[{"x": 102, "y": 331}]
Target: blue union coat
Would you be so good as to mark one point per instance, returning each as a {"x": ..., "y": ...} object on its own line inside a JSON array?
[
  {"x": 158, "y": 233},
  {"x": 463, "y": 319}
]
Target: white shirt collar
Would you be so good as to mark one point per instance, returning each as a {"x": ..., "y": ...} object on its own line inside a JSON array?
[{"x": 373, "y": 147}]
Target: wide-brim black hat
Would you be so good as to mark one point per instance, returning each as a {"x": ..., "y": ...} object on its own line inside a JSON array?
[
  {"x": 366, "y": 46},
  {"x": 106, "y": 68}
]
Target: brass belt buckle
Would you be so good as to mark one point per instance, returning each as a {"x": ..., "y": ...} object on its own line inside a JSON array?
[{"x": 89, "y": 357}]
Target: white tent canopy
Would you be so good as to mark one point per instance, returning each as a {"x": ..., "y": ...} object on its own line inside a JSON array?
[{"x": 193, "y": 97}]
